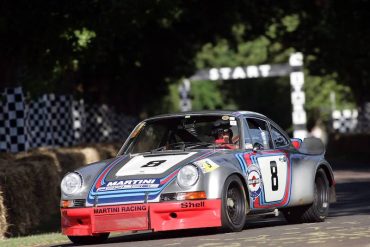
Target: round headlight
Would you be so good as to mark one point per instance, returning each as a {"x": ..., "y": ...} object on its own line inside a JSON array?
[
  {"x": 188, "y": 176},
  {"x": 71, "y": 184}
]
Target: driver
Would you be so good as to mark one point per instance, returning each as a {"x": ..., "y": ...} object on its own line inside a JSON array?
[{"x": 224, "y": 136}]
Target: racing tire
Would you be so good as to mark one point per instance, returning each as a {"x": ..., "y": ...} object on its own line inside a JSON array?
[
  {"x": 234, "y": 205},
  {"x": 319, "y": 209},
  {"x": 97, "y": 239}
]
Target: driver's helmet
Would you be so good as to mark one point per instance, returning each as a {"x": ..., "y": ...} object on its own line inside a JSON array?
[{"x": 220, "y": 129}]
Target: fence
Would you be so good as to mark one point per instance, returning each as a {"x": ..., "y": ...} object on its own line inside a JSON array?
[{"x": 56, "y": 120}]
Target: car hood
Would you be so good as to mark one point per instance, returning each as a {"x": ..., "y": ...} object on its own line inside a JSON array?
[{"x": 132, "y": 177}]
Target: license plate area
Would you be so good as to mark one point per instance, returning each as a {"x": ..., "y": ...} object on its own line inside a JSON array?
[{"x": 121, "y": 218}]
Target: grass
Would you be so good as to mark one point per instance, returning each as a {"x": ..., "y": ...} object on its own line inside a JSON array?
[{"x": 35, "y": 240}]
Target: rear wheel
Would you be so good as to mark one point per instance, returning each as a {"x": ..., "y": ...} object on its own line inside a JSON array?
[
  {"x": 89, "y": 239},
  {"x": 319, "y": 209},
  {"x": 234, "y": 203}
]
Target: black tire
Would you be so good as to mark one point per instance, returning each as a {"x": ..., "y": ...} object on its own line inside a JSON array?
[
  {"x": 319, "y": 209},
  {"x": 97, "y": 239},
  {"x": 234, "y": 205}
]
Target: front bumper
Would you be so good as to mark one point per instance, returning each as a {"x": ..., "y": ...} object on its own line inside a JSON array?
[{"x": 161, "y": 216}]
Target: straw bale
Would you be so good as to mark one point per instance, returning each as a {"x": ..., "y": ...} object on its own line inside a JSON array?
[
  {"x": 29, "y": 183},
  {"x": 91, "y": 154},
  {"x": 70, "y": 159},
  {"x": 30, "y": 192},
  {"x": 107, "y": 150},
  {"x": 3, "y": 215}
]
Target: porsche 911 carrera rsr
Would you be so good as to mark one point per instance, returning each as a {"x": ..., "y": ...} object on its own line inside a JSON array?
[{"x": 197, "y": 170}]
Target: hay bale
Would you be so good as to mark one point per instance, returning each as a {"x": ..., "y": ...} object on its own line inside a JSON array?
[
  {"x": 3, "y": 216},
  {"x": 5, "y": 161},
  {"x": 107, "y": 150},
  {"x": 91, "y": 154},
  {"x": 30, "y": 191},
  {"x": 69, "y": 159},
  {"x": 29, "y": 184}
]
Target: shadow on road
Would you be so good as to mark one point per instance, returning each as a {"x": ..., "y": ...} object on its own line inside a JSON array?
[{"x": 353, "y": 188}]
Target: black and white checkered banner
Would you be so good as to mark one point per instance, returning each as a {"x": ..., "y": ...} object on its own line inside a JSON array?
[
  {"x": 56, "y": 120},
  {"x": 350, "y": 121}
]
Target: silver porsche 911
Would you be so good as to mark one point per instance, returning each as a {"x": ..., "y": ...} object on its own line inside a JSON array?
[{"x": 196, "y": 170}]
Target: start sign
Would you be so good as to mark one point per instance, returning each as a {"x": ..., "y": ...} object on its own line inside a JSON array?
[{"x": 293, "y": 69}]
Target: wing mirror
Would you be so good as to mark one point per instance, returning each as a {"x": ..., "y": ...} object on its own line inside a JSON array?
[{"x": 296, "y": 142}]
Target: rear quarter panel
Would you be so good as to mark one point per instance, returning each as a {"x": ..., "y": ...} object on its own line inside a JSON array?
[{"x": 304, "y": 169}]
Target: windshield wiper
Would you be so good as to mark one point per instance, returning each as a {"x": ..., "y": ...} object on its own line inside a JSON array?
[
  {"x": 165, "y": 147},
  {"x": 200, "y": 144}
]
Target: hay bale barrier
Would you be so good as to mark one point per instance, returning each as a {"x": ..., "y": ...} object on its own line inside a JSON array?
[
  {"x": 29, "y": 186},
  {"x": 3, "y": 214}
]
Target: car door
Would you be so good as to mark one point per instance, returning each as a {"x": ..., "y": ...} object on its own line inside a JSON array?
[{"x": 269, "y": 163}]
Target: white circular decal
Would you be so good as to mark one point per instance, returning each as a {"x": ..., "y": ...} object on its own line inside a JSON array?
[{"x": 254, "y": 183}]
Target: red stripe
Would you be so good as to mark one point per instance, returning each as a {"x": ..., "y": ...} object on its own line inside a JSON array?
[
  {"x": 169, "y": 178},
  {"x": 247, "y": 158},
  {"x": 98, "y": 183}
]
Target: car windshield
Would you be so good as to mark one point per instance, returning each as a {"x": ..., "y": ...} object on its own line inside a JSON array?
[{"x": 185, "y": 132}]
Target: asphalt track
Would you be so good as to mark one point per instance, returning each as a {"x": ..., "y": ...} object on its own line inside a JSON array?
[{"x": 348, "y": 223}]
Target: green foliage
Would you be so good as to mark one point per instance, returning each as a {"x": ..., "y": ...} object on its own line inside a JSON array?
[
  {"x": 127, "y": 53},
  {"x": 270, "y": 96},
  {"x": 318, "y": 96},
  {"x": 206, "y": 95}
]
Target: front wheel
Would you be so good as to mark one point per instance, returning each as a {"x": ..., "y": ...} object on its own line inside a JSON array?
[
  {"x": 96, "y": 239},
  {"x": 234, "y": 205},
  {"x": 319, "y": 209}
]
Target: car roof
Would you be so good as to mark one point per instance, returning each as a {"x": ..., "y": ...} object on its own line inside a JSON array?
[{"x": 209, "y": 112}]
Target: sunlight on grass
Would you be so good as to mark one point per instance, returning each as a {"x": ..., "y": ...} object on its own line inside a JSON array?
[{"x": 35, "y": 240}]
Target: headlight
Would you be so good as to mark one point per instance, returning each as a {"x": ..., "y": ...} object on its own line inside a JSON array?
[
  {"x": 188, "y": 176},
  {"x": 71, "y": 183}
]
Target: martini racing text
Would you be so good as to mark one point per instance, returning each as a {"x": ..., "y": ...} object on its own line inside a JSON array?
[
  {"x": 121, "y": 209},
  {"x": 130, "y": 184}
]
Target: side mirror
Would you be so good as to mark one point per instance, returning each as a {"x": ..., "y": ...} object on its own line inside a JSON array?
[
  {"x": 296, "y": 142},
  {"x": 312, "y": 145}
]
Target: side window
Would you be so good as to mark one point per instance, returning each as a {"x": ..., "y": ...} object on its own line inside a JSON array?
[
  {"x": 278, "y": 138},
  {"x": 247, "y": 138},
  {"x": 259, "y": 133}
]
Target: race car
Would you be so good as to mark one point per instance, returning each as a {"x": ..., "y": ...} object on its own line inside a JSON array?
[{"x": 197, "y": 170}]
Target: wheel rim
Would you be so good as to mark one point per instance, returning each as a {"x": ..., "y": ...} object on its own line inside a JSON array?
[
  {"x": 321, "y": 195},
  {"x": 234, "y": 203}
]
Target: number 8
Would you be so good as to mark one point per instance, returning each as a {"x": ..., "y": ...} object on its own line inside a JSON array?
[{"x": 274, "y": 177}]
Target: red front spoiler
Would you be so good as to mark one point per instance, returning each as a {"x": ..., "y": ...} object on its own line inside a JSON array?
[{"x": 161, "y": 216}]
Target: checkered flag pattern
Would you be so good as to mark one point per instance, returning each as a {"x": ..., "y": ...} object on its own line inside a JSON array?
[
  {"x": 13, "y": 136},
  {"x": 99, "y": 124},
  {"x": 364, "y": 119},
  {"x": 56, "y": 120},
  {"x": 345, "y": 121},
  {"x": 79, "y": 120},
  {"x": 38, "y": 130},
  {"x": 50, "y": 121}
]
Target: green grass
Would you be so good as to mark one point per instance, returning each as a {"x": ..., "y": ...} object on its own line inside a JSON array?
[{"x": 35, "y": 240}]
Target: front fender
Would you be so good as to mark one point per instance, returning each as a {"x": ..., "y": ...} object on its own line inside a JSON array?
[{"x": 215, "y": 180}]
